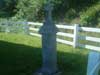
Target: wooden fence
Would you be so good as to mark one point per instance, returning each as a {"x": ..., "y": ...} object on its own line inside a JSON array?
[{"x": 75, "y": 36}]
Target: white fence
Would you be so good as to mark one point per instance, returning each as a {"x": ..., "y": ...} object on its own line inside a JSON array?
[
  {"x": 9, "y": 26},
  {"x": 75, "y": 36}
]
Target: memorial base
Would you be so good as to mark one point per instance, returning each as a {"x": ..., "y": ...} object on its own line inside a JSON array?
[{"x": 47, "y": 72}]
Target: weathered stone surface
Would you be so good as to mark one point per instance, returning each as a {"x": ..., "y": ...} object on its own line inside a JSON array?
[{"x": 49, "y": 53}]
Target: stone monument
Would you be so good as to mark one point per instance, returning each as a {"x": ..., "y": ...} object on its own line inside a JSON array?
[{"x": 49, "y": 53}]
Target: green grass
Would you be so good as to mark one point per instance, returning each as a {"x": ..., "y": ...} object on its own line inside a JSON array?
[{"x": 21, "y": 55}]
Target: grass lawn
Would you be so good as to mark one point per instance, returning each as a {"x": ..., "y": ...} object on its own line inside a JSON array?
[{"x": 21, "y": 55}]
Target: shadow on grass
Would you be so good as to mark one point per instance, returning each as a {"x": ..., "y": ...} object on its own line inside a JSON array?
[
  {"x": 17, "y": 59},
  {"x": 72, "y": 64}
]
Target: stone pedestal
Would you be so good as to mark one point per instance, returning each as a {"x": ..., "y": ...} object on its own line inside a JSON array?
[{"x": 49, "y": 52}]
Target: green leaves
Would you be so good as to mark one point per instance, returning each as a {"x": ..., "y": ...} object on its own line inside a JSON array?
[
  {"x": 90, "y": 15},
  {"x": 28, "y": 8},
  {"x": 7, "y": 8},
  {"x": 67, "y": 11}
]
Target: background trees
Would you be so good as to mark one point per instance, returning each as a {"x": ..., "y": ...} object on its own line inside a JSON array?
[
  {"x": 85, "y": 12},
  {"x": 7, "y": 8}
]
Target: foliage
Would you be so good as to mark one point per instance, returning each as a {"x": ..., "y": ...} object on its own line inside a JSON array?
[
  {"x": 28, "y": 9},
  {"x": 91, "y": 15},
  {"x": 65, "y": 11},
  {"x": 7, "y": 8}
]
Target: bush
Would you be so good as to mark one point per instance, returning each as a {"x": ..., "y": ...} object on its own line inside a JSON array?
[
  {"x": 7, "y": 8},
  {"x": 28, "y": 9},
  {"x": 90, "y": 16}
]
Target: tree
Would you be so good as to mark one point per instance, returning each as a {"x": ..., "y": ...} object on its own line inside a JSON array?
[
  {"x": 28, "y": 9},
  {"x": 7, "y": 8}
]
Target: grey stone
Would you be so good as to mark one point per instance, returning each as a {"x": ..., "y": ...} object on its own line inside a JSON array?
[
  {"x": 57, "y": 73},
  {"x": 49, "y": 53}
]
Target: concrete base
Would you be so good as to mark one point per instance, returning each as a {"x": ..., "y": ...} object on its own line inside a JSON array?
[
  {"x": 47, "y": 73},
  {"x": 59, "y": 73}
]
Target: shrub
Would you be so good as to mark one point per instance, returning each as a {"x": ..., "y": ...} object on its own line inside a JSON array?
[
  {"x": 89, "y": 17},
  {"x": 28, "y": 9}
]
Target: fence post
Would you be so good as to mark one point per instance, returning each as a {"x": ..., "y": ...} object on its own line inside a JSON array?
[
  {"x": 26, "y": 28},
  {"x": 7, "y": 28},
  {"x": 93, "y": 61},
  {"x": 75, "y": 39}
]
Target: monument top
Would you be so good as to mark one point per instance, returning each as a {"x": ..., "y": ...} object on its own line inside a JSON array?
[
  {"x": 48, "y": 7},
  {"x": 49, "y": 26}
]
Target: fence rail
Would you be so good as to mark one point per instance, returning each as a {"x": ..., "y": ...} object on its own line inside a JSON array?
[
  {"x": 97, "y": 30},
  {"x": 65, "y": 34},
  {"x": 88, "y": 38}
]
